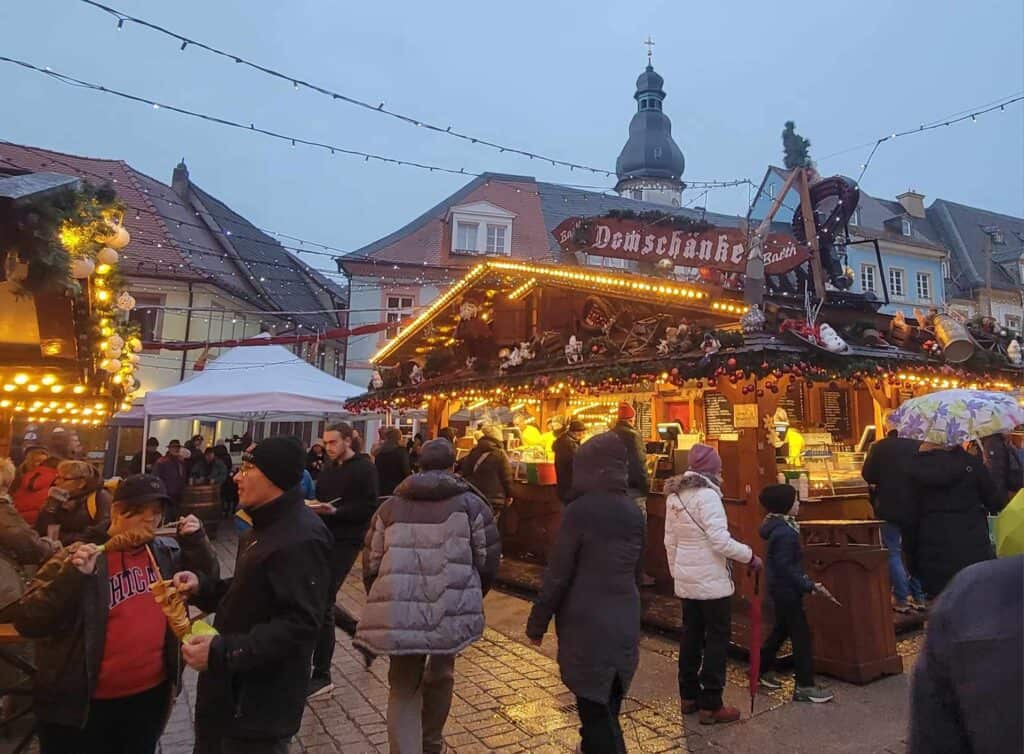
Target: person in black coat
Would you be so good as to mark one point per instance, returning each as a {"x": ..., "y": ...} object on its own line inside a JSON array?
[
  {"x": 565, "y": 448},
  {"x": 591, "y": 588},
  {"x": 348, "y": 491},
  {"x": 392, "y": 462},
  {"x": 948, "y": 528},
  {"x": 254, "y": 674},
  {"x": 887, "y": 471},
  {"x": 488, "y": 469},
  {"x": 1003, "y": 466},
  {"x": 968, "y": 685}
]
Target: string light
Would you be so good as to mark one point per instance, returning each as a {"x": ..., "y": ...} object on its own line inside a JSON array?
[{"x": 339, "y": 97}]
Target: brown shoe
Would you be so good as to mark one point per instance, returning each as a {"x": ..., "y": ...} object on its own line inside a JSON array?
[
  {"x": 720, "y": 715},
  {"x": 688, "y": 706}
]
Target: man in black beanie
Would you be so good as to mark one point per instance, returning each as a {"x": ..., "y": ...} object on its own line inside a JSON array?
[{"x": 254, "y": 673}]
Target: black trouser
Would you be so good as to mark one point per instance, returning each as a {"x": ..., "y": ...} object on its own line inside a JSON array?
[
  {"x": 215, "y": 744},
  {"x": 128, "y": 725},
  {"x": 343, "y": 557},
  {"x": 790, "y": 623},
  {"x": 707, "y": 625},
  {"x": 599, "y": 723}
]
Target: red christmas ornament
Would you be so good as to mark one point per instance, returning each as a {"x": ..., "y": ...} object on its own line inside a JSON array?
[
  {"x": 760, "y": 393},
  {"x": 731, "y": 363},
  {"x": 675, "y": 372}
]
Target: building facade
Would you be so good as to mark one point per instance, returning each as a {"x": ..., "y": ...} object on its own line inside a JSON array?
[
  {"x": 199, "y": 272},
  {"x": 914, "y": 262}
]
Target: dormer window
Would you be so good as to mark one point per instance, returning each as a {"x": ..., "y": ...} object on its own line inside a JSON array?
[
  {"x": 481, "y": 228},
  {"x": 905, "y": 227}
]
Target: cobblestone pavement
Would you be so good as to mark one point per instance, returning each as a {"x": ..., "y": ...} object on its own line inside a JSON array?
[{"x": 508, "y": 698}]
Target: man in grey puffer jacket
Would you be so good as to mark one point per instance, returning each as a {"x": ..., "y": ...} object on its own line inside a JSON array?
[{"x": 431, "y": 554}]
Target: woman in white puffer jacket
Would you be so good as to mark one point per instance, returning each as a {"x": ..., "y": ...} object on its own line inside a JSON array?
[{"x": 699, "y": 548}]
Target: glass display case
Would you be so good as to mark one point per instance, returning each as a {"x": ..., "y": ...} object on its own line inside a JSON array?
[{"x": 826, "y": 469}]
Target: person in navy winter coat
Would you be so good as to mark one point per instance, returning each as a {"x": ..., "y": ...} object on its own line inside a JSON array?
[{"x": 787, "y": 585}]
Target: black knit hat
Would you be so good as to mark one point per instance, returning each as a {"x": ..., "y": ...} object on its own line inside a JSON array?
[
  {"x": 140, "y": 489},
  {"x": 281, "y": 459},
  {"x": 778, "y": 498},
  {"x": 437, "y": 454}
]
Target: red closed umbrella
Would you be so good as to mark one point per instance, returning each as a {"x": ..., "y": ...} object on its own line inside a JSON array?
[{"x": 755, "y": 640}]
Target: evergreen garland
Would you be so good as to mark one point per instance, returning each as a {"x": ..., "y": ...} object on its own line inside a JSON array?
[
  {"x": 46, "y": 233},
  {"x": 796, "y": 148}
]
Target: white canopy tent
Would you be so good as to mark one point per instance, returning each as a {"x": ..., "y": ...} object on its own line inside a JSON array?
[{"x": 252, "y": 382}]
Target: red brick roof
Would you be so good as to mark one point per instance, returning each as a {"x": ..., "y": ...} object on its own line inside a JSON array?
[{"x": 152, "y": 250}]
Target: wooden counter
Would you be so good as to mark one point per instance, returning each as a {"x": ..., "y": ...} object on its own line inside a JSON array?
[{"x": 851, "y": 507}]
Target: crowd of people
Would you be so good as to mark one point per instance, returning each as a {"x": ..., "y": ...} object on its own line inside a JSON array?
[{"x": 426, "y": 527}]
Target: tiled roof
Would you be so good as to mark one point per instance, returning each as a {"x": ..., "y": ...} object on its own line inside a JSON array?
[
  {"x": 171, "y": 241},
  {"x": 961, "y": 229},
  {"x": 152, "y": 250}
]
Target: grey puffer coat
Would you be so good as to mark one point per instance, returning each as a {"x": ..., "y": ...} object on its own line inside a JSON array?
[
  {"x": 431, "y": 554},
  {"x": 591, "y": 582}
]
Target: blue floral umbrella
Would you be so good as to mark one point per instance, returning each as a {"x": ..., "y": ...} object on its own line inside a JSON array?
[{"x": 952, "y": 417}]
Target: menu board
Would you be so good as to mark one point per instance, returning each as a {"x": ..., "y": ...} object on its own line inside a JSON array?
[
  {"x": 795, "y": 403},
  {"x": 836, "y": 409},
  {"x": 717, "y": 415},
  {"x": 643, "y": 421}
]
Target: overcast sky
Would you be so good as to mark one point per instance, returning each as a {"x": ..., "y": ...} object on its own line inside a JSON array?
[{"x": 548, "y": 76}]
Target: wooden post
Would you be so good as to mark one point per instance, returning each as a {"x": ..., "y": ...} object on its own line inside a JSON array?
[{"x": 811, "y": 233}]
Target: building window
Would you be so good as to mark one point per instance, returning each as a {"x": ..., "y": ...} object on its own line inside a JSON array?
[
  {"x": 637, "y": 194},
  {"x": 398, "y": 308},
  {"x": 149, "y": 320},
  {"x": 771, "y": 190},
  {"x": 465, "y": 236},
  {"x": 855, "y": 217},
  {"x": 945, "y": 269},
  {"x": 497, "y": 237},
  {"x": 1013, "y": 323},
  {"x": 867, "y": 278},
  {"x": 896, "y": 282},
  {"x": 924, "y": 287},
  {"x": 905, "y": 227}
]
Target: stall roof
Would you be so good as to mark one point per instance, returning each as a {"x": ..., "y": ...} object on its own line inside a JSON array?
[
  {"x": 515, "y": 278},
  {"x": 253, "y": 381}
]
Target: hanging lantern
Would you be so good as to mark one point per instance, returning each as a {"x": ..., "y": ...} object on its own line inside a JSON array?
[
  {"x": 107, "y": 255},
  {"x": 125, "y": 301},
  {"x": 118, "y": 237},
  {"x": 82, "y": 267}
]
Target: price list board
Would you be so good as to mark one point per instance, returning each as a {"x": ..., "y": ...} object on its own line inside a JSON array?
[
  {"x": 835, "y": 406},
  {"x": 718, "y": 415},
  {"x": 795, "y": 403}
]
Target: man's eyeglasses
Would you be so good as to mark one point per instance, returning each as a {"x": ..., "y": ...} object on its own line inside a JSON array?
[{"x": 247, "y": 465}]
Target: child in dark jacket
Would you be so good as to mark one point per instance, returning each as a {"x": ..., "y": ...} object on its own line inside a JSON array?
[{"x": 787, "y": 585}]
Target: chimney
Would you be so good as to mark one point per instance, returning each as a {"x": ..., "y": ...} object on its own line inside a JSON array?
[
  {"x": 179, "y": 179},
  {"x": 912, "y": 203}
]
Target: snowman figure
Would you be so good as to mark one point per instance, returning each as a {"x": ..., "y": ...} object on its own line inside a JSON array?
[
  {"x": 1013, "y": 351},
  {"x": 574, "y": 351}
]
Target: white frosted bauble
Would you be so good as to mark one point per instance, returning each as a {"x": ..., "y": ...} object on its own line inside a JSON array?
[
  {"x": 107, "y": 255},
  {"x": 118, "y": 237},
  {"x": 112, "y": 365},
  {"x": 82, "y": 267},
  {"x": 116, "y": 342},
  {"x": 112, "y": 353},
  {"x": 133, "y": 358}
]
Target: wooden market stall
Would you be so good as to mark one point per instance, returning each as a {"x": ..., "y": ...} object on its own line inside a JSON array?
[
  {"x": 786, "y": 385},
  {"x": 67, "y": 351}
]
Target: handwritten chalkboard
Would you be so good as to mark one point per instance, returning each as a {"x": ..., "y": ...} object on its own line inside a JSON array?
[
  {"x": 835, "y": 406},
  {"x": 717, "y": 415},
  {"x": 795, "y": 403}
]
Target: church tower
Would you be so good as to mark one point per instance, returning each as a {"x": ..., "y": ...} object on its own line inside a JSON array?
[{"x": 650, "y": 165}]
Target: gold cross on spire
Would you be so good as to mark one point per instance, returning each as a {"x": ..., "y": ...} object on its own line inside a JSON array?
[{"x": 650, "y": 48}]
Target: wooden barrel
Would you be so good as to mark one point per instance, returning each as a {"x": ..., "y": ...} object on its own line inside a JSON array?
[{"x": 203, "y": 502}]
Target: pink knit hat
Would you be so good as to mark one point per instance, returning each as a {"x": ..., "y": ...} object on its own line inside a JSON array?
[{"x": 705, "y": 460}]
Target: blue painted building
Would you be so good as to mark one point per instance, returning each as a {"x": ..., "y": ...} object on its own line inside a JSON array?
[{"x": 914, "y": 261}]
